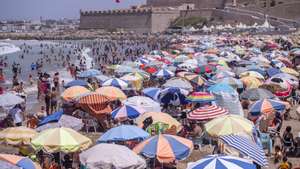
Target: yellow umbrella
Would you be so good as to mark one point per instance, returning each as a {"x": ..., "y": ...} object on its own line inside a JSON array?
[
  {"x": 143, "y": 76},
  {"x": 111, "y": 92},
  {"x": 17, "y": 135},
  {"x": 60, "y": 140},
  {"x": 73, "y": 92},
  {"x": 159, "y": 118},
  {"x": 134, "y": 80},
  {"x": 290, "y": 71},
  {"x": 251, "y": 82},
  {"x": 252, "y": 74},
  {"x": 229, "y": 124}
]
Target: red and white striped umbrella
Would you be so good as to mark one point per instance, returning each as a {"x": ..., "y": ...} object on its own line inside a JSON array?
[{"x": 207, "y": 113}]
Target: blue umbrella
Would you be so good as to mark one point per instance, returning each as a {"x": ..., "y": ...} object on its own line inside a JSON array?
[
  {"x": 77, "y": 83},
  {"x": 90, "y": 73},
  {"x": 273, "y": 71},
  {"x": 52, "y": 118},
  {"x": 164, "y": 73},
  {"x": 152, "y": 92},
  {"x": 221, "y": 162},
  {"x": 127, "y": 111},
  {"x": 116, "y": 83},
  {"x": 221, "y": 87},
  {"x": 266, "y": 106},
  {"x": 246, "y": 147},
  {"x": 123, "y": 133},
  {"x": 173, "y": 95}
]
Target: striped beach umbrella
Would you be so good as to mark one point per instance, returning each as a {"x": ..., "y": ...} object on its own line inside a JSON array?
[
  {"x": 72, "y": 93},
  {"x": 207, "y": 113},
  {"x": 200, "y": 97},
  {"x": 221, "y": 162},
  {"x": 247, "y": 147},
  {"x": 119, "y": 83},
  {"x": 17, "y": 135},
  {"x": 164, "y": 73},
  {"x": 95, "y": 104},
  {"x": 19, "y": 161},
  {"x": 112, "y": 93},
  {"x": 127, "y": 112},
  {"x": 152, "y": 92},
  {"x": 165, "y": 148},
  {"x": 266, "y": 106}
]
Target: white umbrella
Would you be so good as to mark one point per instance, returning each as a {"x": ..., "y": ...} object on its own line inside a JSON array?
[
  {"x": 180, "y": 83},
  {"x": 143, "y": 102},
  {"x": 111, "y": 156},
  {"x": 8, "y": 100}
]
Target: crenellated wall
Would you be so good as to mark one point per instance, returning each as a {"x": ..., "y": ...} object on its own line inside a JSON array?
[{"x": 198, "y": 3}]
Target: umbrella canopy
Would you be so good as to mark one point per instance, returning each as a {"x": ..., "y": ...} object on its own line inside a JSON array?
[
  {"x": 233, "y": 82},
  {"x": 223, "y": 74},
  {"x": 273, "y": 71},
  {"x": 111, "y": 156},
  {"x": 229, "y": 124},
  {"x": 151, "y": 92},
  {"x": 119, "y": 83},
  {"x": 207, "y": 113},
  {"x": 289, "y": 78},
  {"x": 54, "y": 117},
  {"x": 251, "y": 82},
  {"x": 76, "y": 83},
  {"x": 205, "y": 69},
  {"x": 123, "y": 133},
  {"x": 200, "y": 97},
  {"x": 22, "y": 162},
  {"x": 72, "y": 93},
  {"x": 256, "y": 94},
  {"x": 164, "y": 73},
  {"x": 112, "y": 93},
  {"x": 60, "y": 140},
  {"x": 17, "y": 135},
  {"x": 252, "y": 74},
  {"x": 159, "y": 118},
  {"x": 289, "y": 71},
  {"x": 173, "y": 95},
  {"x": 221, "y": 87},
  {"x": 95, "y": 104},
  {"x": 246, "y": 147},
  {"x": 165, "y": 148},
  {"x": 179, "y": 83},
  {"x": 143, "y": 102},
  {"x": 89, "y": 73},
  {"x": 195, "y": 79},
  {"x": 127, "y": 112},
  {"x": 266, "y": 106},
  {"x": 221, "y": 162},
  {"x": 9, "y": 100},
  {"x": 141, "y": 74},
  {"x": 7, "y": 165},
  {"x": 64, "y": 121}
]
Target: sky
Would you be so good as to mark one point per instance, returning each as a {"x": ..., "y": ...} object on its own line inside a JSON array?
[{"x": 56, "y": 9}]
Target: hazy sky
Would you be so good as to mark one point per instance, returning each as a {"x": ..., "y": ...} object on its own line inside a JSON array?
[{"x": 55, "y": 9}]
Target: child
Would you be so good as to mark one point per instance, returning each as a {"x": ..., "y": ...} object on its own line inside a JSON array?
[
  {"x": 285, "y": 164},
  {"x": 277, "y": 154}
]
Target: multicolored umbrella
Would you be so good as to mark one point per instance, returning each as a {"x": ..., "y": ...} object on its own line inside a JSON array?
[
  {"x": 266, "y": 106},
  {"x": 127, "y": 112},
  {"x": 200, "y": 97},
  {"x": 229, "y": 124},
  {"x": 77, "y": 83},
  {"x": 22, "y": 162},
  {"x": 111, "y": 92},
  {"x": 143, "y": 102},
  {"x": 152, "y": 92},
  {"x": 72, "y": 93},
  {"x": 164, "y": 73},
  {"x": 205, "y": 69},
  {"x": 195, "y": 79},
  {"x": 60, "y": 140},
  {"x": 17, "y": 135},
  {"x": 119, "y": 83},
  {"x": 221, "y": 162},
  {"x": 256, "y": 94},
  {"x": 252, "y": 74},
  {"x": 165, "y": 148},
  {"x": 123, "y": 133},
  {"x": 207, "y": 113},
  {"x": 251, "y": 82},
  {"x": 173, "y": 95}
]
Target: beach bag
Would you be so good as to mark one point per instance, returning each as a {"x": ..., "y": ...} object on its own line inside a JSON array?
[{"x": 229, "y": 101}]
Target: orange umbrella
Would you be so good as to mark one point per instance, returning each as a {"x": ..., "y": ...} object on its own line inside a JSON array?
[
  {"x": 111, "y": 92},
  {"x": 73, "y": 92}
]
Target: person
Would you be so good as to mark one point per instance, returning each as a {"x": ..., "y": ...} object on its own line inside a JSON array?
[
  {"x": 288, "y": 137},
  {"x": 48, "y": 101},
  {"x": 53, "y": 98},
  {"x": 30, "y": 79},
  {"x": 56, "y": 81},
  {"x": 17, "y": 115},
  {"x": 42, "y": 113},
  {"x": 277, "y": 154},
  {"x": 284, "y": 164},
  {"x": 67, "y": 162}
]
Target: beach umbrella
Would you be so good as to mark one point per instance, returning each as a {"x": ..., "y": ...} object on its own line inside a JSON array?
[
  {"x": 233, "y": 82},
  {"x": 19, "y": 161},
  {"x": 164, "y": 73},
  {"x": 159, "y": 118},
  {"x": 144, "y": 103},
  {"x": 229, "y": 124},
  {"x": 221, "y": 162},
  {"x": 102, "y": 78},
  {"x": 173, "y": 95},
  {"x": 289, "y": 78},
  {"x": 64, "y": 121},
  {"x": 9, "y": 100},
  {"x": 151, "y": 92},
  {"x": 266, "y": 106},
  {"x": 181, "y": 59},
  {"x": 200, "y": 97},
  {"x": 111, "y": 156},
  {"x": 195, "y": 79},
  {"x": 60, "y": 140},
  {"x": 124, "y": 69},
  {"x": 54, "y": 117},
  {"x": 7, "y": 165},
  {"x": 179, "y": 83},
  {"x": 141, "y": 74},
  {"x": 72, "y": 93},
  {"x": 289, "y": 71},
  {"x": 123, "y": 133},
  {"x": 223, "y": 74},
  {"x": 127, "y": 112},
  {"x": 273, "y": 71},
  {"x": 184, "y": 73},
  {"x": 207, "y": 113},
  {"x": 251, "y": 82},
  {"x": 95, "y": 104},
  {"x": 17, "y": 135},
  {"x": 77, "y": 83},
  {"x": 252, "y": 74},
  {"x": 221, "y": 87},
  {"x": 256, "y": 94},
  {"x": 89, "y": 73},
  {"x": 165, "y": 148},
  {"x": 205, "y": 69},
  {"x": 119, "y": 83},
  {"x": 247, "y": 147},
  {"x": 112, "y": 93},
  {"x": 134, "y": 82}
]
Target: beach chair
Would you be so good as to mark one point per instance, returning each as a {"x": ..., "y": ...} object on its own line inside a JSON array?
[{"x": 90, "y": 123}]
